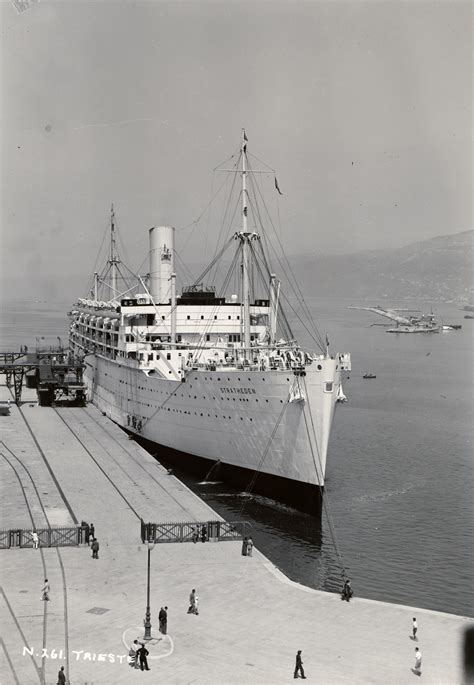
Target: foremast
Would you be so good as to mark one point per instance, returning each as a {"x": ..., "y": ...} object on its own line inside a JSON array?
[{"x": 245, "y": 236}]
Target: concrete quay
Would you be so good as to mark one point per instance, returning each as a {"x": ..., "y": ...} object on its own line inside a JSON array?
[{"x": 252, "y": 619}]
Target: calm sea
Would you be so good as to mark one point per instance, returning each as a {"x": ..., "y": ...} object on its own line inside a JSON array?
[{"x": 400, "y": 467}]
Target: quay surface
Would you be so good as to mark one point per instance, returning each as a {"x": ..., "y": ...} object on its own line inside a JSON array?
[{"x": 252, "y": 619}]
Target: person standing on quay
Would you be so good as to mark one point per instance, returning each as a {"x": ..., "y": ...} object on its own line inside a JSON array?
[
  {"x": 299, "y": 665},
  {"x": 244, "y": 547},
  {"x": 91, "y": 531},
  {"x": 163, "y": 619},
  {"x": 95, "y": 548},
  {"x": 61, "y": 676},
  {"x": 249, "y": 546},
  {"x": 415, "y": 628},
  {"x": 143, "y": 653},
  {"x": 35, "y": 538},
  {"x": 45, "y": 590},
  {"x": 417, "y": 669},
  {"x": 136, "y": 648}
]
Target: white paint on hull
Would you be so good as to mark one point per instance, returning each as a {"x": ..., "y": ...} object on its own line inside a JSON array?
[{"x": 230, "y": 415}]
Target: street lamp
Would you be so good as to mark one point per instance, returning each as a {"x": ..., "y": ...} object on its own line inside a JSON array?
[{"x": 150, "y": 544}]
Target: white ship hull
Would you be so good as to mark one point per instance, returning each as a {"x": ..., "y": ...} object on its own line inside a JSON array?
[{"x": 254, "y": 422}]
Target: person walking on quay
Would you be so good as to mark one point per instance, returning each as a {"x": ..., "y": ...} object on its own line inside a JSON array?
[
  {"x": 35, "y": 538},
  {"x": 299, "y": 665},
  {"x": 143, "y": 653},
  {"x": 249, "y": 546},
  {"x": 195, "y": 536},
  {"x": 95, "y": 548},
  {"x": 45, "y": 590},
  {"x": 193, "y": 603},
  {"x": 87, "y": 532},
  {"x": 244, "y": 547},
  {"x": 163, "y": 619},
  {"x": 415, "y": 628},
  {"x": 91, "y": 532},
  {"x": 417, "y": 669},
  {"x": 347, "y": 591},
  {"x": 203, "y": 533},
  {"x": 61, "y": 676}
]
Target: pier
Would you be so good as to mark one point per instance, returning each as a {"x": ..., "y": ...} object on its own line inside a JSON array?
[{"x": 61, "y": 466}]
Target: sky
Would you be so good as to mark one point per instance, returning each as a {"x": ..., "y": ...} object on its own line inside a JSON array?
[{"x": 362, "y": 108}]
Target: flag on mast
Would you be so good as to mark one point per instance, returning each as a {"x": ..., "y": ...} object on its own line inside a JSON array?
[{"x": 277, "y": 186}]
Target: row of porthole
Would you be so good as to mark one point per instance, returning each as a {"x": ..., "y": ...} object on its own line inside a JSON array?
[
  {"x": 145, "y": 404},
  {"x": 181, "y": 411},
  {"x": 232, "y": 379},
  {"x": 241, "y": 399}
]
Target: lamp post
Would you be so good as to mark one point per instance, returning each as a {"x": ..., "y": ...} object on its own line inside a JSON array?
[{"x": 147, "y": 623}]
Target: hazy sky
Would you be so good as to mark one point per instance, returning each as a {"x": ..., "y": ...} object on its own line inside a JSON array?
[{"x": 363, "y": 108}]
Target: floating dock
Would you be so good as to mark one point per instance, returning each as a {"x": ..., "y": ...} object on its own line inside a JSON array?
[{"x": 61, "y": 466}]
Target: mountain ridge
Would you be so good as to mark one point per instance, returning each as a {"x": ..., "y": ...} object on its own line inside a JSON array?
[{"x": 439, "y": 268}]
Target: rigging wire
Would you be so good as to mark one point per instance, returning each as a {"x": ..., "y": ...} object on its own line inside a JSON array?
[
  {"x": 294, "y": 285},
  {"x": 324, "y": 495},
  {"x": 253, "y": 480}
]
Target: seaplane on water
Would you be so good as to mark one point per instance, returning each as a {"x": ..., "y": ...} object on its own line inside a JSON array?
[{"x": 415, "y": 322}]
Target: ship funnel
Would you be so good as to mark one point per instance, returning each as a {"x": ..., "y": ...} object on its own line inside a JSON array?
[{"x": 161, "y": 263}]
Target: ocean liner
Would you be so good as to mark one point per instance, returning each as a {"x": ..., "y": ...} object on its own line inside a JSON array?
[{"x": 210, "y": 375}]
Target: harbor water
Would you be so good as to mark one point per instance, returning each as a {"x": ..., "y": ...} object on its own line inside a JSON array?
[{"x": 400, "y": 466}]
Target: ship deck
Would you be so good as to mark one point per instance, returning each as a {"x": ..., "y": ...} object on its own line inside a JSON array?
[{"x": 252, "y": 618}]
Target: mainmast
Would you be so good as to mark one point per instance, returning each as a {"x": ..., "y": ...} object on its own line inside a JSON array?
[
  {"x": 245, "y": 237},
  {"x": 245, "y": 249},
  {"x": 113, "y": 260}
]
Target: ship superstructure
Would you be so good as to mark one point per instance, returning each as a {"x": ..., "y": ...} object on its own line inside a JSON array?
[{"x": 208, "y": 375}]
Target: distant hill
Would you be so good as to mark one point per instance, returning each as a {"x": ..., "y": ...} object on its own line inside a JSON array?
[{"x": 438, "y": 269}]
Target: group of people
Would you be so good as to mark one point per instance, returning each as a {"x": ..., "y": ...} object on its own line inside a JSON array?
[
  {"x": 138, "y": 653},
  {"x": 417, "y": 669},
  {"x": 90, "y": 539},
  {"x": 199, "y": 533},
  {"x": 247, "y": 546},
  {"x": 138, "y": 656},
  {"x": 348, "y": 591}
]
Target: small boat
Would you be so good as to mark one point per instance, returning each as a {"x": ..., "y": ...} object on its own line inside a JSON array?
[{"x": 369, "y": 375}]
